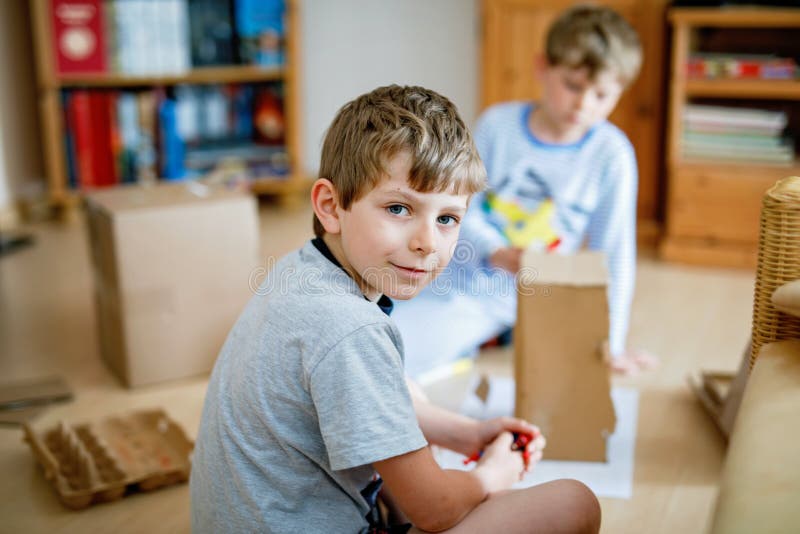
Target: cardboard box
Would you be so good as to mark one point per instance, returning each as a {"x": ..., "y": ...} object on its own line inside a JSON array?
[
  {"x": 562, "y": 382},
  {"x": 105, "y": 460},
  {"x": 171, "y": 265}
]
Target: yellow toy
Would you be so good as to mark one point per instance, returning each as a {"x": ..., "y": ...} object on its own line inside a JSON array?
[{"x": 526, "y": 229}]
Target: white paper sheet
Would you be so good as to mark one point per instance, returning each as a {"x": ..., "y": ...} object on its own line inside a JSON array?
[{"x": 610, "y": 479}]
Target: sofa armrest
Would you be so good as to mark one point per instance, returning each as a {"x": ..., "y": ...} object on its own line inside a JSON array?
[{"x": 760, "y": 486}]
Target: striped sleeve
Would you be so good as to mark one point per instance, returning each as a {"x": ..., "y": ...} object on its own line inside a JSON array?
[{"x": 613, "y": 231}]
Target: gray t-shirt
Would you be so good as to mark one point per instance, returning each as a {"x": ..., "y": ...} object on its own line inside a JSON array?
[{"x": 307, "y": 392}]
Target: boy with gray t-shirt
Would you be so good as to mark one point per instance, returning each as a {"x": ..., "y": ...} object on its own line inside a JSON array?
[{"x": 307, "y": 412}]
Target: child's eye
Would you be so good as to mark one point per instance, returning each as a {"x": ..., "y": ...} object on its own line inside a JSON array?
[
  {"x": 397, "y": 209},
  {"x": 447, "y": 220}
]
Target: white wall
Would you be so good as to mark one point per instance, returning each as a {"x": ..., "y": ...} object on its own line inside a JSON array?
[{"x": 349, "y": 47}]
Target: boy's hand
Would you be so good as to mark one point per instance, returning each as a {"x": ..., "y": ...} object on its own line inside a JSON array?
[
  {"x": 488, "y": 430},
  {"x": 529, "y": 444},
  {"x": 501, "y": 465},
  {"x": 508, "y": 258},
  {"x": 631, "y": 362}
]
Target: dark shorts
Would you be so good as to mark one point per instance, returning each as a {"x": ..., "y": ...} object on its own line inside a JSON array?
[{"x": 377, "y": 521}]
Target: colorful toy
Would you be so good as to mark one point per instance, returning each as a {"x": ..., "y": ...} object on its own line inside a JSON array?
[
  {"x": 521, "y": 442},
  {"x": 525, "y": 229}
]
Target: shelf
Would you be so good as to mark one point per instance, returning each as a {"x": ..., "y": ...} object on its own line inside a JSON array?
[
  {"x": 52, "y": 115},
  {"x": 762, "y": 89},
  {"x": 203, "y": 75},
  {"x": 739, "y": 168},
  {"x": 714, "y": 205},
  {"x": 735, "y": 17}
]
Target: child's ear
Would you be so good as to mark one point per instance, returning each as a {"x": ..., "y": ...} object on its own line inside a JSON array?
[{"x": 325, "y": 202}]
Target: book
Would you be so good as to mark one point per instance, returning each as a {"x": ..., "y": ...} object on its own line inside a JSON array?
[
  {"x": 172, "y": 36},
  {"x": 758, "y": 66},
  {"x": 101, "y": 152},
  {"x": 146, "y": 153},
  {"x": 128, "y": 125},
  {"x": 79, "y": 36},
  {"x": 704, "y": 118},
  {"x": 150, "y": 36},
  {"x": 734, "y": 140},
  {"x": 736, "y": 157},
  {"x": 171, "y": 144},
  {"x": 260, "y": 30},
  {"x": 69, "y": 140},
  {"x": 211, "y": 32},
  {"x": 81, "y": 122}
]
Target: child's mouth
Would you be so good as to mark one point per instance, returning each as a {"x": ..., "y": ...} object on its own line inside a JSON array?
[{"x": 411, "y": 272}]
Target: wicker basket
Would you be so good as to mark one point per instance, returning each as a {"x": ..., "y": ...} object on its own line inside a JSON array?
[{"x": 778, "y": 263}]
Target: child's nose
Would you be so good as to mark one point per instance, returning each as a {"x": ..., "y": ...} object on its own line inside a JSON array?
[
  {"x": 585, "y": 99},
  {"x": 424, "y": 239}
]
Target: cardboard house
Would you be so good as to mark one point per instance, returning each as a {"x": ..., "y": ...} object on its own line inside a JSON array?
[
  {"x": 172, "y": 266},
  {"x": 562, "y": 382}
]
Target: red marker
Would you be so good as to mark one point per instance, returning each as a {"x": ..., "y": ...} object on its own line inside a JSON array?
[{"x": 521, "y": 442}]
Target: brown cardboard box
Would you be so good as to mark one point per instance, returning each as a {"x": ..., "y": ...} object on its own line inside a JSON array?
[
  {"x": 562, "y": 383},
  {"x": 171, "y": 267},
  {"x": 105, "y": 460}
]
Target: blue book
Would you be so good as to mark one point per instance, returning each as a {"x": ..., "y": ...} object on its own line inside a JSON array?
[
  {"x": 243, "y": 112},
  {"x": 260, "y": 31},
  {"x": 173, "y": 149},
  {"x": 128, "y": 124},
  {"x": 69, "y": 141}
]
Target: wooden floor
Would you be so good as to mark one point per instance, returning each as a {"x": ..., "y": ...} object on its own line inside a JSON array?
[{"x": 691, "y": 317}]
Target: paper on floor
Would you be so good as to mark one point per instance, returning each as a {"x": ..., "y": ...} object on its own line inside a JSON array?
[{"x": 610, "y": 479}]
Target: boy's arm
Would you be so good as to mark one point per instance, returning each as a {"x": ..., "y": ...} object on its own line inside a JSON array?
[
  {"x": 458, "y": 432},
  {"x": 436, "y": 499},
  {"x": 613, "y": 231}
]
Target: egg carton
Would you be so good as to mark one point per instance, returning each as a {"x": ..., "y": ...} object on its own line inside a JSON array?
[{"x": 105, "y": 460}]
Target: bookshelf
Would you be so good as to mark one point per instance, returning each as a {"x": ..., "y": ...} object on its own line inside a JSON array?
[
  {"x": 286, "y": 187},
  {"x": 713, "y": 205}
]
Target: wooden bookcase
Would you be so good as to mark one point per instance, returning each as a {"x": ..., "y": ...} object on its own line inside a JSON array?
[
  {"x": 713, "y": 208},
  {"x": 513, "y": 35},
  {"x": 50, "y": 84}
]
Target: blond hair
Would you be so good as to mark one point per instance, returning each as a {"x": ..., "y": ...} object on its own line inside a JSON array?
[
  {"x": 597, "y": 38},
  {"x": 375, "y": 127}
]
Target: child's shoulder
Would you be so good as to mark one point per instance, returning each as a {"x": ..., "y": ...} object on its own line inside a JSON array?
[
  {"x": 305, "y": 283},
  {"x": 505, "y": 111},
  {"x": 609, "y": 138}
]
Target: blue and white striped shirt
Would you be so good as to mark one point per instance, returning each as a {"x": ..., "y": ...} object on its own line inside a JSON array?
[{"x": 592, "y": 185}]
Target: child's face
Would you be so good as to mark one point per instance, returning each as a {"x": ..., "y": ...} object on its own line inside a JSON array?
[
  {"x": 574, "y": 102},
  {"x": 395, "y": 240}
]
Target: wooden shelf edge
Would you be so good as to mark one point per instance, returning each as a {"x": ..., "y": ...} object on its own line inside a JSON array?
[
  {"x": 760, "y": 89},
  {"x": 729, "y": 167},
  {"x": 743, "y": 17},
  {"x": 288, "y": 186},
  {"x": 200, "y": 75}
]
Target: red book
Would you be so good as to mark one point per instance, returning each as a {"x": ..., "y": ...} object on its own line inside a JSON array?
[
  {"x": 115, "y": 138},
  {"x": 78, "y": 36},
  {"x": 81, "y": 123},
  {"x": 101, "y": 149}
]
